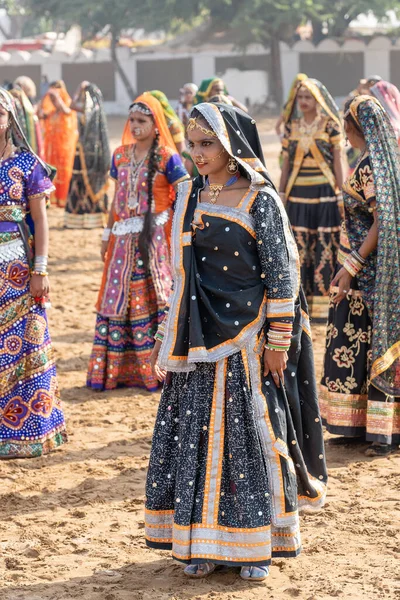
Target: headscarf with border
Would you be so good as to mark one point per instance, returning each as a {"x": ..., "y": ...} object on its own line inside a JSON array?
[
  {"x": 288, "y": 107},
  {"x": 237, "y": 132},
  {"x": 204, "y": 91},
  {"x": 383, "y": 303},
  {"x": 389, "y": 97},
  {"x": 158, "y": 115},
  {"x": 19, "y": 138},
  {"x": 323, "y": 98}
]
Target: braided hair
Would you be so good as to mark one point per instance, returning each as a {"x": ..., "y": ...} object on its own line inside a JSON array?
[{"x": 145, "y": 234}]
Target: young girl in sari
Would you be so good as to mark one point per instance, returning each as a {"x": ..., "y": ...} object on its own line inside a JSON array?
[
  {"x": 31, "y": 416},
  {"x": 360, "y": 387},
  {"x": 310, "y": 182},
  {"x": 235, "y": 452},
  {"x": 137, "y": 272}
]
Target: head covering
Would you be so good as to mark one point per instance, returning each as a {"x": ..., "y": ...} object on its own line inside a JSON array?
[
  {"x": 19, "y": 138},
  {"x": 288, "y": 107},
  {"x": 221, "y": 99},
  {"x": 174, "y": 123},
  {"x": 384, "y": 158},
  {"x": 158, "y": 115},
  {"x": 389, "y": 96},
  {"x": 94, "y": 145},
  {"x": 27, "y": 85},
  {"x": 25, "y": 113},
  {"x": 191, "y": 87},
  {"x": 47, "y": 104},
  {"x": 205, "y": 88},
  {"x": 323, "y": 98},
  {"x": 238, "y": 134},
  {"x": 372, "y": 80}
]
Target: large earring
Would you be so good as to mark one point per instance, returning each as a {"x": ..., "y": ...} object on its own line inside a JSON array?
[
  {"x": 346, "y": 141},
  {"x": 232, "y": 167}
]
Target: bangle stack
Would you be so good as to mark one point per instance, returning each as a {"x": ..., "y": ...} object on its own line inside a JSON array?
[
  {"x": 40, "y": 266},
  {"x": 354, "y": 263},
  {"x": 279, "y": 337},
  {"x": 106, "y": 234},
  {"x": 160, "y": 333}
]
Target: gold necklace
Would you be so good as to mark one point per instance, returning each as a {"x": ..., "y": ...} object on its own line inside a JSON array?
[
  {"x": 214, "y": 189},
  {"x": 307, "y": 133}
]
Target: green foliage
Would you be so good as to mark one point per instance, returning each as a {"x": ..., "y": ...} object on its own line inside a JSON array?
[{"x": 339, "y": 14}]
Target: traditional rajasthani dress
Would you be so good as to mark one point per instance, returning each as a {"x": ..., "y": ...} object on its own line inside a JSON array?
[
  {"x": 360, "y": 386},
  {"x": 60, "y": 134},
  {"x": 233, "y": 457},
  {"x": 31, "y": 417},
  {"x": 87, "y": 199},
  {"x": 132, "y": 298},
  {"x": 312, "y": 202}
]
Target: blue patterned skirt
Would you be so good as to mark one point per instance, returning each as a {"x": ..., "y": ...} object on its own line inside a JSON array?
[{"x": 31, "y": 416}]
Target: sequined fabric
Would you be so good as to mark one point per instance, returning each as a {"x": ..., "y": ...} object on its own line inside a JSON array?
[
  {"x": 381, "y": 275},
  {"x": 132, "y": 299},
  {"x": 31, "y": 416},
  {"x": 350, "y": 405},
  {"x": 234, "y": 458}
]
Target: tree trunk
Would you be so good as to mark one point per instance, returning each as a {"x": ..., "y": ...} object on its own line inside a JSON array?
[
  {"x": 318, "y": 35},
  {"x": 114, "y": 57},
  {"x": 275, "y": 73}
]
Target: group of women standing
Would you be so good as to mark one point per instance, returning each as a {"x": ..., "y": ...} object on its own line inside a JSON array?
[
  {"x": 346, "y": 232},
  {"x": 238, "y": 447}
]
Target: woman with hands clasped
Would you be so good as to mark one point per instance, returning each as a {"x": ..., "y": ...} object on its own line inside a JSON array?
[
  {"x": 360, "y": 387},
  {"x": 237, "y": 448}
]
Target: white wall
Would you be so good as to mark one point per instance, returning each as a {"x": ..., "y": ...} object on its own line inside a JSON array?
[{"x": 242, "y": 84}]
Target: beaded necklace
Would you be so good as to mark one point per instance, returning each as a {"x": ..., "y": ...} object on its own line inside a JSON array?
[{"x": 135, "y": 168}]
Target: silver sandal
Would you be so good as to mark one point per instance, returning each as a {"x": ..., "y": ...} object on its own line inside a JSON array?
[
  {"x": 255, "y": 574},
  {"x": 200, "y": 571}
]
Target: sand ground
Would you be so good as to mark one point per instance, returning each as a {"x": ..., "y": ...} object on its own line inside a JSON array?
[{"x": 71, "y": 523}]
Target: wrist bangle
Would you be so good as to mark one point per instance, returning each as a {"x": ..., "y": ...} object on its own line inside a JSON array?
[
  {"x": 106, "y": 234},
  {"x": 277, "y": 348},
  {"x": 41, "y": 273},
  {"x": 354, "y": 263}
]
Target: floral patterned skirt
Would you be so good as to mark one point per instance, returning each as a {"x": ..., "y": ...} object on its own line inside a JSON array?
[
  {"x": 350, "y": 406},
  {"x": 31, "y": 416},
  {"x": 314, "y": 215}
]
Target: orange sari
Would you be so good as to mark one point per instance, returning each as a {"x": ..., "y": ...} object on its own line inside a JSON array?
[{"x": 60, "y": 133}]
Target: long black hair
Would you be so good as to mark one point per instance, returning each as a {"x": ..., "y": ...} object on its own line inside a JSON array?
[{"x": 145, "y": 234}]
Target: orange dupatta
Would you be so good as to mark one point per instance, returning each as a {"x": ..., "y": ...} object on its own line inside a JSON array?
[
  {"x": 158, "y": 114},
  {"x": 60, "y": 132},
  {"x": 163, "y": 192}
]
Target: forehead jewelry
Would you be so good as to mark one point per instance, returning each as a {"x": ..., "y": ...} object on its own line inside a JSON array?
[
  {"x": 139, "y": 108},
  {"x": 193, "y": 124}
]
